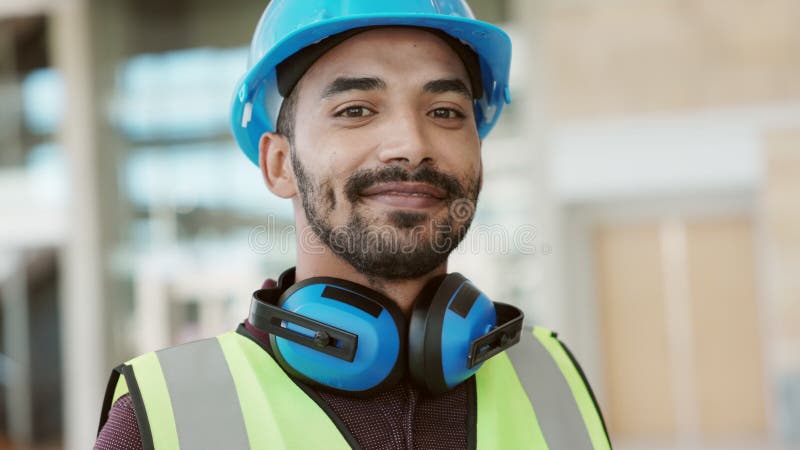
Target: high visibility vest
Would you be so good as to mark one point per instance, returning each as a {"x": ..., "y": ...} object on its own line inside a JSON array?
[{"x": 228, "y": 393}]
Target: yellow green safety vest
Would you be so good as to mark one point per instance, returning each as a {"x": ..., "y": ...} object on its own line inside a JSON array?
[{"x": 228, "y": 393}]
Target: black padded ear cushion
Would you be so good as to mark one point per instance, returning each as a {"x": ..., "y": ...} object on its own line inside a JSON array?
[
  {"x": 425, "y": 332},
  {"x": 286, "y": 278}
]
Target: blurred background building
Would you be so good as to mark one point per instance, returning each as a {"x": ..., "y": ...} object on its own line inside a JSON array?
[{"x": 642, "y": 197}]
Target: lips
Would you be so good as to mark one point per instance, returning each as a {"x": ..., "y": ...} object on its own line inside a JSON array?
[
  {"x": 410, "y": 189},
  {"x": 405, "y": 195}
]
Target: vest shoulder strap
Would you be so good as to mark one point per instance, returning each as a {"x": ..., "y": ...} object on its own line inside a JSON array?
[
  {"x": 535, "y": 396},
  {"x": 142, "y": 378},
  {"x": 222, "y": 392}
]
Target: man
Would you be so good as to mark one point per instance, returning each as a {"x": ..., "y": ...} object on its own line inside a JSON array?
[{"x": 369, "y": 116}]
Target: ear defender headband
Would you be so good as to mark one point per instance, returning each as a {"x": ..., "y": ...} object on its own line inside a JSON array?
[{"x": 352, "y": 339}]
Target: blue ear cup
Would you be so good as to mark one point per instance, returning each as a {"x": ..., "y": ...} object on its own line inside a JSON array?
[
  {"x": 376, "y": 322},
  {"x": 448, "y": 316}
]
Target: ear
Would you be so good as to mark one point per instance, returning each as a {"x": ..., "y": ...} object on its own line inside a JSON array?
[{"x": 274, "y": 158}]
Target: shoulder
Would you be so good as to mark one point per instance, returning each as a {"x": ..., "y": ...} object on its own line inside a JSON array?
[
  {"x": 542, "y": 356},
  {"x": 139, "y": 382},
  {"x": 544, "y": 342},
  {"x": 200, "y": 370},
  {"x": 148, "y": 374},
  {"x": 120, "y": 431},
  {"x": 541, "y": 351}
]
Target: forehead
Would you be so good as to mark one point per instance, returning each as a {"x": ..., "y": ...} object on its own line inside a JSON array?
[{"x": 400, "y": 51}]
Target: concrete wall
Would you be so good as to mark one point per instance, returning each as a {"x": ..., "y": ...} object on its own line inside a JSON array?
[{"x": 628, "y": 56}]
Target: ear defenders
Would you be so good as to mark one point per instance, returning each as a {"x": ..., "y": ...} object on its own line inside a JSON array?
[{"x": 352, "y": 339}]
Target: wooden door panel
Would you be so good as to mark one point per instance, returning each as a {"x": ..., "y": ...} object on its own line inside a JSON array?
[
  {"x": 634, "y": 339},
  {"x": 728, "y": 354}
]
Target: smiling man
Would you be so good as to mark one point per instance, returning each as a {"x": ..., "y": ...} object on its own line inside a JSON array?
[
  {"x": 368, "y": 115},
  {"x": 377, "y": 146}
]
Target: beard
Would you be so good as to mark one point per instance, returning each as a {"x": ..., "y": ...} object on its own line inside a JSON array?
[{"x": 411, "y": 244}]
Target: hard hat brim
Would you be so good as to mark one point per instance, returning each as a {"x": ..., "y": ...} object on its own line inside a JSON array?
[{"x": 490, "y": 42}]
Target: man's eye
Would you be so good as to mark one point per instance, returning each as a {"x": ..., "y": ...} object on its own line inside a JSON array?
[
  {"x": 446, "y": 113},
  {"x": 354, "y": 111}
]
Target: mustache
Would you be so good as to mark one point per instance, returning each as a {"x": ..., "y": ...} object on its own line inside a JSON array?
[{"x": 365, "y": 178}]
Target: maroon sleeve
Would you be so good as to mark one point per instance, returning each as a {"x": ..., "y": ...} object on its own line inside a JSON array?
[{"x": 120, "y": 432}]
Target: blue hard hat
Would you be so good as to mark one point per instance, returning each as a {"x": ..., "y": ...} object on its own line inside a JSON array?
[{"x": 287, "y": 26}]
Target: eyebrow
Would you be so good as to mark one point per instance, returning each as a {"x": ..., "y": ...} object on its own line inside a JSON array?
[
  {"x": 344, "y": 84},
  {"x": 448, "y": 85}
]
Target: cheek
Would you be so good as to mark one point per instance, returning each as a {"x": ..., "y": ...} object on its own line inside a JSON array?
[
  {"x": 460, "y": 154},
  {"x": 331, "y": 170},
  {"x": 342, "y": 154},
  {"x": 331, "y": 156}
]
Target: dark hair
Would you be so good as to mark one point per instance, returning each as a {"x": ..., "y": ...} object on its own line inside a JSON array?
[{"x": 287, "y": 115}]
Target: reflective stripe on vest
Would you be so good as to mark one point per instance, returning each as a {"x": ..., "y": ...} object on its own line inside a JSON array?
[
  {"x": 531, "y": 397},
  {"x": 592, "y": 419},
  {"x": 213, "y": 419},
  {"x": 534, "y": 394}
]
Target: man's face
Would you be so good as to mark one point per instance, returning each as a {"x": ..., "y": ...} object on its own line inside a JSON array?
[{"x": 386, "y": 152}]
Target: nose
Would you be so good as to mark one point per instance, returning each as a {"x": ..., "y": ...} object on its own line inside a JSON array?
[{"x": 405, "y": 141}]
